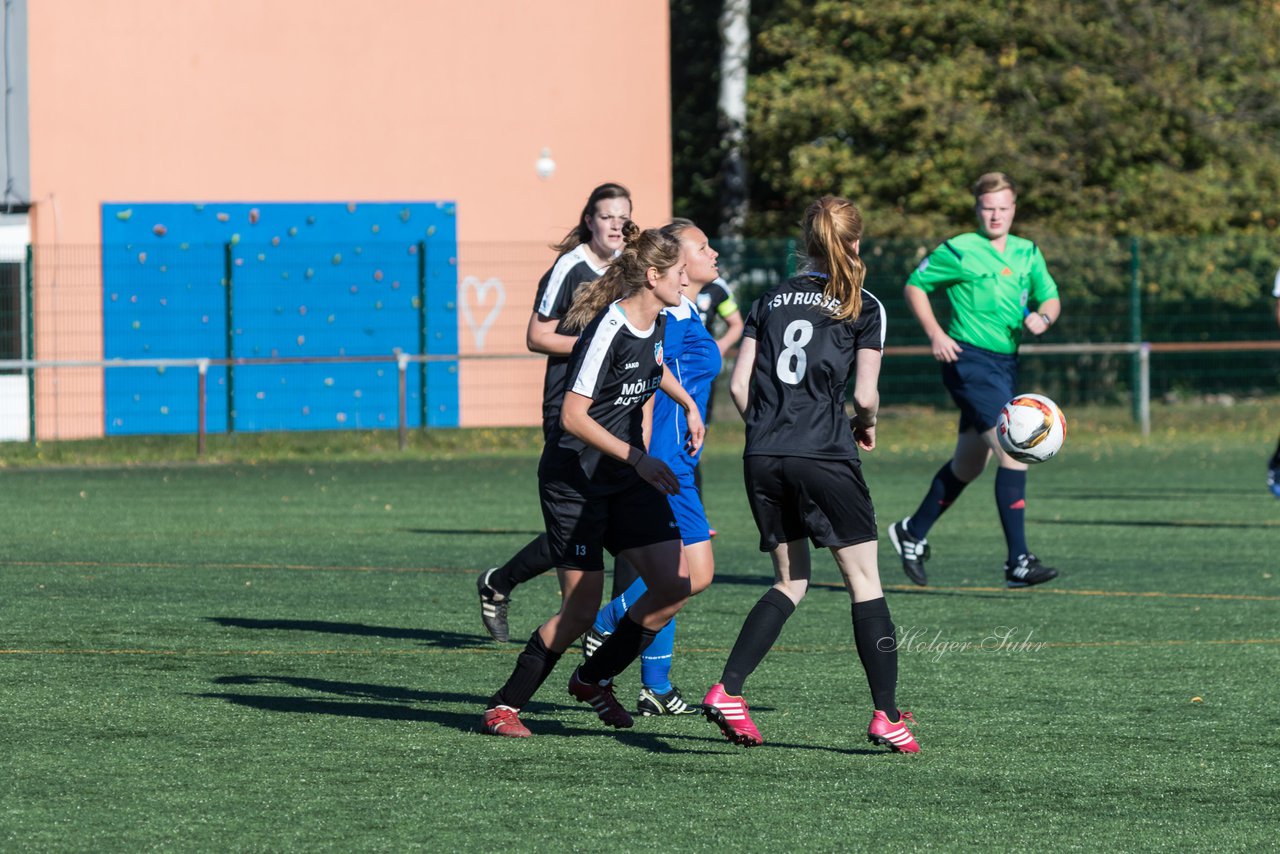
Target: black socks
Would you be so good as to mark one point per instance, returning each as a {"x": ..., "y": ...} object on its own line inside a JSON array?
[
  {"x": 759, "y": 632},
  {"x": 532, "y": 669},
  {"x": 877, "y": 643},
  {"x": 530, "y": 562}
]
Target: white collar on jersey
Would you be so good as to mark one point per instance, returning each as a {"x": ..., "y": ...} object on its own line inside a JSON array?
[
  {"x": 639, "y": 333},
  {"x": 686, "y": 309}
]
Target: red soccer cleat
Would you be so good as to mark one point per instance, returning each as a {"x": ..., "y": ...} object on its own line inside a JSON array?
[
  {"x": 895, "y": 736},
  {"x": 504, "y": 720},
  {"x": 601, "y": 698},
  {"x": 730, "y": 714}
]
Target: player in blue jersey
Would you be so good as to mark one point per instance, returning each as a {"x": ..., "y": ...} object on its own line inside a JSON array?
[{"x": 692, "y": 354}]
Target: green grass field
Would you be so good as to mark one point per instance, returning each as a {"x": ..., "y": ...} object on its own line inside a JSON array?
[{"x": 282, "y": 651}]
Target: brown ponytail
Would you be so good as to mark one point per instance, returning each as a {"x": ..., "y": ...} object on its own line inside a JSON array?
[
  {"x": 626, "y": 274},
  {"x": 831, "y": 226}
]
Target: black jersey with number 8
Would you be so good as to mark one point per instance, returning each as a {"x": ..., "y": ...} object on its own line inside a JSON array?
[{"x": 804, "y": 361}]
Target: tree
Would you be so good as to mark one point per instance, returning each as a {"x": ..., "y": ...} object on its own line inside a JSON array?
[{"x": 1115, "y": 116}]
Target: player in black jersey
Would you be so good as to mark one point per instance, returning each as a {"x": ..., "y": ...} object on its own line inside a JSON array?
[
  {"x": 585, "y": 253},
  {"x": 804, "y": 340},
  {"x": 600, "y": 489}
]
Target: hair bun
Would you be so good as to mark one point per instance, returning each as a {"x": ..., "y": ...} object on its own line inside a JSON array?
[{"x": 631, "y": 233}]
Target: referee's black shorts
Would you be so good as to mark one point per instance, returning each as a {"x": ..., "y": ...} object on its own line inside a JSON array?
[
  {"x": 981, "y": 383},
  {"x": 824, "y": 500},
  {"x": 614, "y": 509}
]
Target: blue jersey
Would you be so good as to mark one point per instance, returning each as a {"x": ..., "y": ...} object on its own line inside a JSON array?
[{"x": 691, "y": 354}]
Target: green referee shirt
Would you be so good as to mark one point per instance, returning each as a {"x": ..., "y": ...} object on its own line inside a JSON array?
[{"x": 989, "y": 290}]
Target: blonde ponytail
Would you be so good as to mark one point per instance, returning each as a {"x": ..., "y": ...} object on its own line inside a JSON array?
[{"x": 831, "y": 226}]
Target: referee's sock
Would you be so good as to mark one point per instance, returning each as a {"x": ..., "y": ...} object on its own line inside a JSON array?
[
  {"x": 943, "y": 492},
  {"x": 759, "y": 632},
  {"x": 1275, "y": 458},
  {"x": 532, "y": 669},
  {"x": 617, "y": 652},
  {"x": 1011, "y": 500},
  {"x": 877, "y": 644},
  {"x": 530, "y": 562}
]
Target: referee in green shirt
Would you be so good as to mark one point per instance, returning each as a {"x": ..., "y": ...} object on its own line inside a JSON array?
[{"x": 998, "y": 286}]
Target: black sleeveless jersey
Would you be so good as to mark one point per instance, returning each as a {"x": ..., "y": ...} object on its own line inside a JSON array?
[
  {"x": 619, "y": 367},
  {"x": 804, "y": 361},
  {"x": 556, "y": 291}
]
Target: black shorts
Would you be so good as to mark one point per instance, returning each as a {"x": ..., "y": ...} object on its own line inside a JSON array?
[
  {"x": 981, "y": 383},
  {"x": 825, "y": 500},
  {"x": 615, "y": 509}
]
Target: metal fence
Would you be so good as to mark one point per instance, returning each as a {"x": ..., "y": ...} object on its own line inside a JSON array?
[{"x": 305, "y": 338}]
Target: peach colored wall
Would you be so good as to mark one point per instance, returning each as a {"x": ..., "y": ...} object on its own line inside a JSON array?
[{"x": 301, "y": 100}]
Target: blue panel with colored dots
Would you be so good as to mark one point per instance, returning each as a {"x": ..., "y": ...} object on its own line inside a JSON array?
[{"x": 292, "y": 280}]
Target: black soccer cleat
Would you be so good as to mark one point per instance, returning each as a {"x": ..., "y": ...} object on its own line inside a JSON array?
[
  {"x": 914, "y": 551},
  {"x": 493, "y": 608},
  {"x": 652, "y": 704},
  {"x": 1026, "y": 571}
]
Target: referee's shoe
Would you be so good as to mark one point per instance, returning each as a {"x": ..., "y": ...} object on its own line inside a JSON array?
[
  {"x": 1026, "y": 571},
  {"x": 914, "y": 551}
]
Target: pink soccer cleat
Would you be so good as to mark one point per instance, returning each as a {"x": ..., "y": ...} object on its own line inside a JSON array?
[
  {"x": 504, "y": 720},
  {"x": 601, "y": 698},
  {"x": 730, "y": 714},
  {"x": 895, "y": 736}
]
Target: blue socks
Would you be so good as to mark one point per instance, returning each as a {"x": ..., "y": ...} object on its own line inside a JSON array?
[
  {"x": 1011, "y": 500},
  {"x": 655, "y": 661}
]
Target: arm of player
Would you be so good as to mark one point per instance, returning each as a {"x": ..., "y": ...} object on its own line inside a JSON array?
[
  {"x": 576, "y": 419},
  {"x": 697, "y": 430},
  {"x": 541, "y": 336},
  {"x": 866, "y": 397},
  {"x": 1039, "y": 321},
  {"x": 943, "y": 346},
  {"x": 732, "y": 333},
  {"x": 740, "y": 382}
]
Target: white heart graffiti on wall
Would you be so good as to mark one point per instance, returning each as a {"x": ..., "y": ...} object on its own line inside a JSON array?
[{"x": 473, "y": 290}]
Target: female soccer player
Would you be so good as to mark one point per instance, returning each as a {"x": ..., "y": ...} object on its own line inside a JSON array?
[
  {"x": 600, "y": 489},
  {"x": 693, "y": 356},
  {"x": 803, "y": 341},
  {"x": 991, "y": 278},
  {"x": 585, "y": 252}
]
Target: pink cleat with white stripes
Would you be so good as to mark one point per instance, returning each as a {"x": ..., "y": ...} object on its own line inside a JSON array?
[
  {"x": 730, "y": 714},
  {"x": 895, "y": 736}
]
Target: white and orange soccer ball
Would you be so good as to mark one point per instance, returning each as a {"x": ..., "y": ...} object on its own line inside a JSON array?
[{"x": 1031, "y": 428}]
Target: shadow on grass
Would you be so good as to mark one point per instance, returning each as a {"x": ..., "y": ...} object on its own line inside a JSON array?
[
  {"x": 1156, "y": 523},
  {"x": 471, "y": 532},
  {"x": 393, "y": 703},
  {"x": 432, "y": 637},
  {"x": 1155, "y": 493}
]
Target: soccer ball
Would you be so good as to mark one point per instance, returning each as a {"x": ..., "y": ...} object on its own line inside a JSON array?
[{"x": 1031, "y": 428}]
